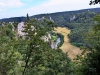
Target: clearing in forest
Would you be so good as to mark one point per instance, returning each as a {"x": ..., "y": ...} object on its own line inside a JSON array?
[{"x": 67, "y": 47}]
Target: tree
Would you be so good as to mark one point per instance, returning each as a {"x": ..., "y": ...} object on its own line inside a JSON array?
[
  {"x": 34, "y": 30},
  {"x": 94, "y": 2},
  {"x": 27, "y": 17},
  {"x": 15, "y": 25},
  {"x": 40, "y": 58},
  {"x": 91, "y": 60},
  {"x": 9, "y": 58}
]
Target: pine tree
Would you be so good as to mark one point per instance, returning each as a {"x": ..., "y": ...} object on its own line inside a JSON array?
[
  {"x": 40, "y": 59},
  {"x": 34, "y": 30},
  {"x": 27, "y": 19}
]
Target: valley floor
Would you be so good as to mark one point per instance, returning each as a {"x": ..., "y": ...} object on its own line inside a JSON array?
[{"x": 67, "y": 47}]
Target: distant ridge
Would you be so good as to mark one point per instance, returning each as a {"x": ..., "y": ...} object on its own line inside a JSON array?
[
  {"x": 19, "y": 19},
  {"x": 15, "y": 19}
]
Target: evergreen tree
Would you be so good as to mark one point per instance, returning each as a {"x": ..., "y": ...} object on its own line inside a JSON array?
[
  {"x": 27, "y": 19},
  {"x": 40, "y": 59},
  {"x": 34, "y": 30}
]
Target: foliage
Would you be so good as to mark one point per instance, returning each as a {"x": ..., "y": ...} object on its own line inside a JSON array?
[
  {"x": 37, "y": 58},
  {"x": 40, "y": 59},
  {"x": 94, "y": 2},
  {"x": 78, "y": 21},
  {"x": 15, "y": 25},
  {"x": 91, "y": 60},
  {"x": 9, "y": 58},
  {"x": 82, "y": 24},
  {"x": 31, "y": 55}
]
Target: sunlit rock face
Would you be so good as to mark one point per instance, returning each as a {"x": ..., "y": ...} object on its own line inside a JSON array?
[
  {"x": 72, "y": 18},
  {"x": 54, "y": 44},
  {"x": 46, "y": 38},
  {"x": 20, "y": 29}
]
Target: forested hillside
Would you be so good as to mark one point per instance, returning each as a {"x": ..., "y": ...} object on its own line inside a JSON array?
[
  {"x": 78, "y": 21},
  {"x": 63, "y": 16}
]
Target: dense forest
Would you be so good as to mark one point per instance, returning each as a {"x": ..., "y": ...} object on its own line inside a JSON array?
[{"x": 30, "y": 55}]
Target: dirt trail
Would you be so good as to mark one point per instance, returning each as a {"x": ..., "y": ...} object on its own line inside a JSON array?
[{"x": 67, "y": 47}]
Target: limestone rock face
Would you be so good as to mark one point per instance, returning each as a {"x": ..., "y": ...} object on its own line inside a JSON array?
[{"x": 20, "y": 29}]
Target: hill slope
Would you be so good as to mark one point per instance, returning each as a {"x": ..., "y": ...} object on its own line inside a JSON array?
[
  {"x": 62, "y": 15},
  {"x": 79, "y": 22}
]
